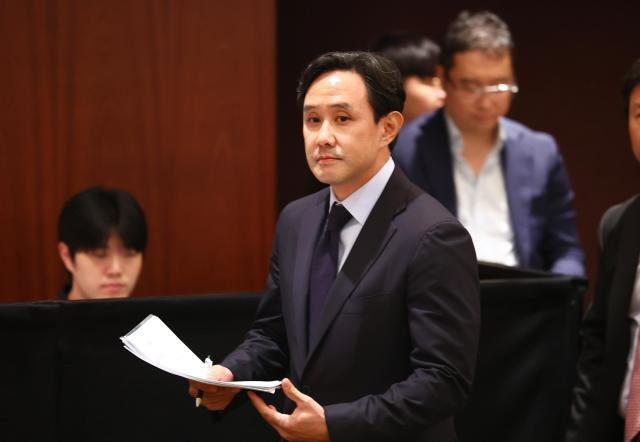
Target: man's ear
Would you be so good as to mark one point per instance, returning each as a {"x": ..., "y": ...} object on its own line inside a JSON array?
[
  {"x": 65, "y": 256},
  {"x": 391, "y": 125}
]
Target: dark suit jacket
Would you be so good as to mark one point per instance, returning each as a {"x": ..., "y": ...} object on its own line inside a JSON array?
[
  {"x": 538, "y": 191},
  {"x": 395, "y": 355},
  {"x": 606, "y": 330}
]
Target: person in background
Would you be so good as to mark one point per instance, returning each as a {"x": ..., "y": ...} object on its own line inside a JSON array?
[
  {"x": 606, "y": 400},
  {"x": 506, "y": 183},
  {"x": 102, "y": 236},
  {"x": 416, "y": 57}
]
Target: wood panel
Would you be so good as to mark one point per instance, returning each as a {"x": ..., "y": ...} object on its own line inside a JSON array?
[{"x": 171, "y": 100}]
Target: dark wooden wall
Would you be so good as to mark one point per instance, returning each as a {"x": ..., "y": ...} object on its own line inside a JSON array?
[
  {"x": 176, "y": 102},
  {"x": 570, "y": 58},
  {"x": 171, "y": 100}
]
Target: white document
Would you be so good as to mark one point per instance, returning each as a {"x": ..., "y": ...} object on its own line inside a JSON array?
[{"x": 155, "y": 343}]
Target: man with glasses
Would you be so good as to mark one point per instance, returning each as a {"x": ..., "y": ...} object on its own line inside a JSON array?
[{"x": 506, "y": 183}]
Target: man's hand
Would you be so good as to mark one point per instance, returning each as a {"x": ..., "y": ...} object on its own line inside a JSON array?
[
  {"x": 305, "y": 424},
  {"x": 215, "y": 398}
]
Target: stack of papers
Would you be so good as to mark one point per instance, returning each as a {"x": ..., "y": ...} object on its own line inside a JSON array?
[{"x": 155, "y": 343}]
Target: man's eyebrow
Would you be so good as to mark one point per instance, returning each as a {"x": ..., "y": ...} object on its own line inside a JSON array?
[
  {"x": 341, "y": 105},
  {"x": 495, "y": 80}
]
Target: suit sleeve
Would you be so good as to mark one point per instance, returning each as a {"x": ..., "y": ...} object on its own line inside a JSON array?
[
  {"x": 560, "y": 247},
  {"x": 264, "y": 353},
  {"x": 443, "y": 313}
]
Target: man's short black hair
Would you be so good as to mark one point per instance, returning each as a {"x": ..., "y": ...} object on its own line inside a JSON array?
[
  {"x": 381, "y": 78},
  {"x": 88, "y": 219},
  {"x": 483, "y": 31},
  {"x": 414, "y": 54},
  {"x": 631, "y": 80}
]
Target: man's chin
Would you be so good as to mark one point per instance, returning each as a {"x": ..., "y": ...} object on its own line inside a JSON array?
[
  {"x": 324, "y": 176},
  {"x": 486, "y": 123}
]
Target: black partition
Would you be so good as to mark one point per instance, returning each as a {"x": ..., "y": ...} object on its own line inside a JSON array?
[
  {"x": 529, "y": 345},
  {"x": 28, "y": 387},
  {"x": 69, "y": 377},
  {"x": 65, "y": 375}
]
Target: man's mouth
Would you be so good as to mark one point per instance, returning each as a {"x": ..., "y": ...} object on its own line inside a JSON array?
[
  {"x": 113, "y": 286},
  {"x": 327, "y": 157},
  {"x": 326, "y": 160}
]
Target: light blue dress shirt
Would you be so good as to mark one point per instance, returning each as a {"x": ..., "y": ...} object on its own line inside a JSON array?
[
  {"x": 359, "y": 204},
  {"x": 483, "y": 207}
]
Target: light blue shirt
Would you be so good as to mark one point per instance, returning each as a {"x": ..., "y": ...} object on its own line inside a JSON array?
[
  {"x": 482, "y": 203},
  {"x": 359, "y": 204}
]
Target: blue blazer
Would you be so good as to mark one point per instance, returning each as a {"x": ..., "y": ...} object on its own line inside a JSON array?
[
  {"x": 538, "y": 190},
  {"x": 394, "y": 355}
]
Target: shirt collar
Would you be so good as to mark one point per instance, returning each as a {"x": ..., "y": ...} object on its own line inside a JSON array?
[
  {"x": 360, "y": 203},
  {"x": 455, "y": 137}
]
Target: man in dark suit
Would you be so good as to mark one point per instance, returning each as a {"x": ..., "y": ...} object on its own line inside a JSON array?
[
  {"x": 388, "y": 352},
  {"x": 506, "y": 183},
  {"x": 604, "y": 396}
]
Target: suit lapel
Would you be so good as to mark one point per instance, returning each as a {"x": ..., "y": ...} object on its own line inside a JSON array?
[
  {"x": 374, "y": 236},
  {"x": 517, "y": 167},
  {"x": 435, "y": 156},
  {"x": 312, "y": 223}
]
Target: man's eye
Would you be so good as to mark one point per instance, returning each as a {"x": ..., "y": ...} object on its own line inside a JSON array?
[
  {"x": 313, "y": 120},
  {"x": 130, "y": 253},
  {"x": 343, "y": 118},
  {"x": 98, "y": 253},
  {"x": 470, "y": 86}
]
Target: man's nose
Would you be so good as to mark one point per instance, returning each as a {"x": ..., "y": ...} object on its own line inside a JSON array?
[
  {"x": 485, "y": 101},
  {"x": 326, "y": 136},
  {"x": 115, "y": 266}
]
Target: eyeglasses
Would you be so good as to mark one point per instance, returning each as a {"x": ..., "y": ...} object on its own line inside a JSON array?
[{"x": 476, "y": 90}]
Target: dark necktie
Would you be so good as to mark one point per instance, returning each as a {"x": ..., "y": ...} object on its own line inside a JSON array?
[{"x": 324, "y": 266}]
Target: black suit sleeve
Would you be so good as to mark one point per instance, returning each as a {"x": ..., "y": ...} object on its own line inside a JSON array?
[{"x": 264, "y": 353}]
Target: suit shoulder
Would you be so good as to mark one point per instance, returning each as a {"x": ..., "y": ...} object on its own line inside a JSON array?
[
  {"x": 425, "y": 212},
  {"x": 426, "y": 225},
  {"x": 296, "y": 208},
  {"x": 415, "y": 124},
  {"x": 412, "y": 131},
  {"x": 422, "y": 134},
  {"x": 541, "y": 141},
  {"x": 611, "y": 218}
]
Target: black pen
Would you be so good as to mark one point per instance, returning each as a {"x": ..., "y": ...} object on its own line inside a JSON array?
[{"x": 207, "y": 364}]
